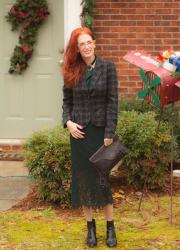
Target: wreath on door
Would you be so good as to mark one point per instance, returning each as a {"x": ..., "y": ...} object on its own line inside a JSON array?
[{"x": 26, "y": 16}]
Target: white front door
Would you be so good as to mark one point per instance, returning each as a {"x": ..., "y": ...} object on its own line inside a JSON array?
[{"x": 32, "y": 101}]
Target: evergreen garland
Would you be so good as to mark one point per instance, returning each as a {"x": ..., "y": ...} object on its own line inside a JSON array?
[
  {"x": 27, "y": 16},
  {"x": 88, "y": 9}
]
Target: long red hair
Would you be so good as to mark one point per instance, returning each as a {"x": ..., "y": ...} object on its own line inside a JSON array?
[{"x": 74, "y": 66}]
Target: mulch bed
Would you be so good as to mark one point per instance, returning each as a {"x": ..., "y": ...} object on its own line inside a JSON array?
[{"x": 32, "y": 200}]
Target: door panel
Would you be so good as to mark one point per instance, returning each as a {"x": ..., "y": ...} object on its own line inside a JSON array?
[{"x": 31, "y": 101}]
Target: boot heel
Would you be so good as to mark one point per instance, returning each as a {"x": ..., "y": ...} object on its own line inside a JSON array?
[
  {"x": 91, "y": 234},
  {"x": 111, "y": 240}
]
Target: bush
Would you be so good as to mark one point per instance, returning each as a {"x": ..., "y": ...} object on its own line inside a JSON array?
[
  {"x": 47, "y": 156},
  {"x": 149, "y": 147},
  {"x": 167, "y": 114}
]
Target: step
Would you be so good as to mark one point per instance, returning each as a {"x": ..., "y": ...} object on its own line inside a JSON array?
[
  {"x": 11, "y": 149},
  {"x": 11, "y": 144}
]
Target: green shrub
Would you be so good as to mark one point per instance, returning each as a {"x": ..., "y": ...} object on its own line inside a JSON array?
[
  {"x": 168, "y": 114},
  {"x": 149, "y": 147},
  {"x": 47, "y": 156}
]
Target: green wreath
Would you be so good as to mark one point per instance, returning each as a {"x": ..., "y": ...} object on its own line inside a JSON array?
[
  {"x": 87, "y": 10},
  {"x": 27, "y": 16}
]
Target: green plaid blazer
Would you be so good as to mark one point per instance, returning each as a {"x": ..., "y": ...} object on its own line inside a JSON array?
[{"x": 97, "y": 102}]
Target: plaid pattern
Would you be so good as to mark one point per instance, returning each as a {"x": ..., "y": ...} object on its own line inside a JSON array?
[{"x": 96, "y": 103}]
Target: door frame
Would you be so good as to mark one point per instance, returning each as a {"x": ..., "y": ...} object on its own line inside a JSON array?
[{"x": 72, "y": 11}]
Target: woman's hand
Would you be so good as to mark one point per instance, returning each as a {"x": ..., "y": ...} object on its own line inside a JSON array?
[
  {"x": 108, "y": 141},
  {"x": 74, "y": 130}
]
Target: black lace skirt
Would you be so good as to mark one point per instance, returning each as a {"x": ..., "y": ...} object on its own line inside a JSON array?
[{"x": 85, "y": 186}]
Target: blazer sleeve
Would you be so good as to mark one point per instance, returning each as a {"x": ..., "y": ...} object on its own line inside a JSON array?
[
  {"x": 112, "y": 101},
  {"x": 67, "y": 104}
]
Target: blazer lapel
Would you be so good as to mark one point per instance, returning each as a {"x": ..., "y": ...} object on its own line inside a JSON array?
[{"x": 96, "y": 72}]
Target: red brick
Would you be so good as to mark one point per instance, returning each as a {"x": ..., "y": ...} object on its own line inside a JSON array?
[
  {"x": 103, "y": 41},
  {"x": 17, "y": 147},
  {"x": 119, "y": 41},
  {"x": 171, "y": 41},
  {"x": 102, "y": 53},
  {"x": 119, "y": 5},
  {"x": 122, "y": 65},
  {"x": 136, "y": 29},
  {"x": 110, "y": 23},
  {"x": 119, "y": 17},
  {"x": 122, "y": 89},
  {"x": 110, "y": 47},
  {"x": 135, "y": 17},
  {"x": 171, "y": 5},
  {"x": 153, "y": 17},
  {"x": 145, "y": 23},
  {"x": 5, "y": 147},
  {"x": 162, "y": 23},
  {"x": 110, "y": 11},
  {"x": 111, "y": 35},
  {"x": 170, "y": 29},
  {"x": 176, "y": 11},
  {"x": 123, "y": 78},
  {"x": 128, "y": 47},
  {"x": 154, "y": 5},
  {"x": 154, "y": 41},
  {"x": 128, "y": 11},
  {"x": 170, "y": 17},
  {"x": 127, "y": 35},
  {"x": 101, "y": 29},
  {"x": 145, "y": 35},
  {"x": 154, "y": 29},
  {"x": 162, "y": 35},
  {"x": 163, "y": 11},
  {"x": 136, "y": 41},
  {"x": 125, "y": 25},
  {"x": 134, "y": 78},
  {"x": 102, "y": 17},
  {"x": 119, "y": 29},
  {"x": 134, "y": 90},
  {"x": 125, "y": 84},
  {"x": 146, "y": 11},
  {"x": 175, "y": 23},
  {"x": 118, "y": 53},
  {"x": 147, "y": 48},
  {"x": 102, "y": 5},
  {"x": 176, "y": 35}
]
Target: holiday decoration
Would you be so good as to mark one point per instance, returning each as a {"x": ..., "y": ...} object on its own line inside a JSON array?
[
  {"x": 159, "y": 87},
  {"x": 170, "y": 60},
  {"x": 158, "y": 93},
  {"x": 149, "y": 90},
  {"x": 27, "y": 16},
  {"x": 87, "y": 10}
]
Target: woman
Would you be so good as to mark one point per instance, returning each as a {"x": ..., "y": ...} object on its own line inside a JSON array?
[{"x": 90, "y": 106}]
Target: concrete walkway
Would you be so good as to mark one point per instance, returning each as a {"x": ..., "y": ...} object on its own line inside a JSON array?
[{"x": 14, "y": 183}]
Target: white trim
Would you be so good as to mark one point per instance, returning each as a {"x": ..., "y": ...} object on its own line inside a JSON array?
[{"x": 72, "y": 11}]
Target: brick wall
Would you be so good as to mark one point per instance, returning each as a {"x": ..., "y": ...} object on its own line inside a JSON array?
[{"x": 124, "y": 25}]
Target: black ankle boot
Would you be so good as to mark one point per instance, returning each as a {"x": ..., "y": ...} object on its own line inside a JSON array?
[
  {"x": 91, "y": 234},
  {"x": 111, "y": 240}
]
